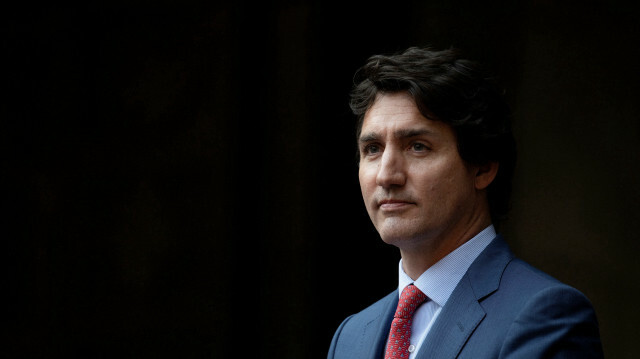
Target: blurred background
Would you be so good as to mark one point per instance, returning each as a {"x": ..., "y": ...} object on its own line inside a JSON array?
[{"x": 179, "y": 178}]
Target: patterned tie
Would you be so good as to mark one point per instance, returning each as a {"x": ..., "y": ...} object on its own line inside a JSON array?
[{"x": 400, "y": 334}]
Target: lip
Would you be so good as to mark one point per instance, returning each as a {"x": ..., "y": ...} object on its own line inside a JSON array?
[{"x": 394, "y": 204}]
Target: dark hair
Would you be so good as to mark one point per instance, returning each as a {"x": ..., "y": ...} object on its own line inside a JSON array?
[{"x": 455, "y": 91}]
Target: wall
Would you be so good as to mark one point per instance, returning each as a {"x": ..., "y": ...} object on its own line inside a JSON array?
[{"x": 167, "y": 166}]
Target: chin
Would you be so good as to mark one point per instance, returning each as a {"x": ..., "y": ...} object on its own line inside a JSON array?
[
  {"x": 405, "y": 234},
  {"x": 398, "y": 238}
]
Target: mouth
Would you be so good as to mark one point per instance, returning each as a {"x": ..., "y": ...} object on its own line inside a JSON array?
[{"x": 394, "y": 204}]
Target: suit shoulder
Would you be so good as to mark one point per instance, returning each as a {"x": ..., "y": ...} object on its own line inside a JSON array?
[
  {"x": 532, "y": 315},
  {"x": 529, "y": 278},
  {"x": 524, "y": 286},
  {"x": 552, "y": 318}
]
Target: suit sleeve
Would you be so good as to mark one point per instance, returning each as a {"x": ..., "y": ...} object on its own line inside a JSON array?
[
  {"x": 558, "y": 322},
  {"x": 336, "y": 337}
]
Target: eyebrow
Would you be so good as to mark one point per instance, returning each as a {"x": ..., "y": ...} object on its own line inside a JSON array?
[{"x": 400, "y": 134}]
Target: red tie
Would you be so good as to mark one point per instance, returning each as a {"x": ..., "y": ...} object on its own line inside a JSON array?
[{"x": 400, "y": 334}]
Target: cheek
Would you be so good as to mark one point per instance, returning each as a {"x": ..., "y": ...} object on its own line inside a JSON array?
[
  {"x": 366, "y": 191},
  {"x": 442, "y": 184},
  {"x": 458, "y": 186},
  {"x": 367, "y": 179}
]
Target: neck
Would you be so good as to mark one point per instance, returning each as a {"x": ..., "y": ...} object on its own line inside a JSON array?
[{"x": 418, "y": 258}]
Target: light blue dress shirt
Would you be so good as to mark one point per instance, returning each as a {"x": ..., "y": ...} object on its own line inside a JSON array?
[{"x": 439, "y": 281}]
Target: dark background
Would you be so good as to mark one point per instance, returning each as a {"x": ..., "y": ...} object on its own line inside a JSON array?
[{"x": 178, "y": 178}]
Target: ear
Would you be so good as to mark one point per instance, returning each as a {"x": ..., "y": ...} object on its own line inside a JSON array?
[{"x": 485, "y": 174}]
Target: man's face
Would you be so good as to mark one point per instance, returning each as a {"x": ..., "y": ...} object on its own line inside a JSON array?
[{"x": 414, "y": 183}]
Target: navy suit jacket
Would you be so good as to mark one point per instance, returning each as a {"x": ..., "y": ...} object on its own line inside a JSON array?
[{"x": 502, "y": 308}]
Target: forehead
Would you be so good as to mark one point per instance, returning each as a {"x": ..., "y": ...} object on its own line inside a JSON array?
[
  {"x": 396, "y": 111},
  {"x": 390, "y": 103}
]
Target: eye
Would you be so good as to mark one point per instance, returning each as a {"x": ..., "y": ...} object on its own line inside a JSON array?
[
  {"x": 419, "y": 147},
  {"x": 371, "y": 149}
]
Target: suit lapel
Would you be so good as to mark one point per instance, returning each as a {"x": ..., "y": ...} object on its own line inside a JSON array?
[
  {"x": 380, "y": 327},
  {"x": 462, "y": 313},
  {"x": 457, "y": 320}
]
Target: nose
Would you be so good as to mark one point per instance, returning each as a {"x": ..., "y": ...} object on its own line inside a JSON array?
[{"x": 391, "y": 170}]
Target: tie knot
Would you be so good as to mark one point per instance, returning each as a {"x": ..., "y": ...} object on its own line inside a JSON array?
[{"x": 410, "y": 299}]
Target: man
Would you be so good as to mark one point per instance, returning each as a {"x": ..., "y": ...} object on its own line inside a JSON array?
[{"x": 436, "y": 160}]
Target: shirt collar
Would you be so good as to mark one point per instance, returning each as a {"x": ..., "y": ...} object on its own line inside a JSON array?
[{"x": 439, "y": 281}]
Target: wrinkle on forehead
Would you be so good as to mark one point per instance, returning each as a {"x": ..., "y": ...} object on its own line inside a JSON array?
[
  {"x": 394, "y": 104},
  {"x": 398, "y": 115}
]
